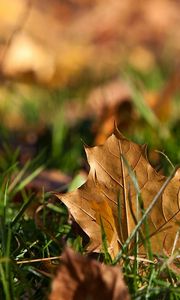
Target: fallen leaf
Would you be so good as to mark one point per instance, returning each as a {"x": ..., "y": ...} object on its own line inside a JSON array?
[
  {"x": 108, "y": 181},
  {"x": 81, "y": 278},
  {"x": 161, "y": 101},
  {"x": 109, "y": 103}
]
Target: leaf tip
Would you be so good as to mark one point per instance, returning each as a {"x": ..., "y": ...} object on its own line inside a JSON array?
[{"x": 117, "y": 132}]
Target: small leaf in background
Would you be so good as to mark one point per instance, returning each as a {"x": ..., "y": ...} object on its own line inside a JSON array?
[
  {"x": 109, "y": 179},
  {"x": 161, "y": 102},
  {"x": 82, "y": 279}
]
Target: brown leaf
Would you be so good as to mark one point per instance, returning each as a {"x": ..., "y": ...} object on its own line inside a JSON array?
[
  {"x": 81, "y": 278},
  {"x": 108, "y": 181}
]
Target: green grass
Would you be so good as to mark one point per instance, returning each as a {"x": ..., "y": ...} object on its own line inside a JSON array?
[{"x": 23, "y": 237}]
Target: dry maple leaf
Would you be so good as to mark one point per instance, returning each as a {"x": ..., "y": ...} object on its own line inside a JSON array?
[
  {"x": 81, "y": 278},
  {"x": 109, "y": 195}
]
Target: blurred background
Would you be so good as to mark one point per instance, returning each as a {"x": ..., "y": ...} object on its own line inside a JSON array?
[{"x": 69, "y": 69}]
